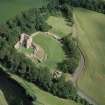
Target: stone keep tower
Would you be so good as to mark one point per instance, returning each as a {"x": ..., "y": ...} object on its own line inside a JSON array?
[{"x": 25, "y": 40}]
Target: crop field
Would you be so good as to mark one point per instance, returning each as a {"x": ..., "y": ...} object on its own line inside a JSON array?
[
  {"x": 91, "y": 34},
  {"x": 10, "y": 8},
  {"x": 59, "y": 25},
  {"x": 43, "y": 97},
  {"x": 52, "y": 48}
]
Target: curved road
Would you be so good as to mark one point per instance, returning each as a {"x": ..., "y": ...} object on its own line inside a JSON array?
[{"x": 75, "y": 77}]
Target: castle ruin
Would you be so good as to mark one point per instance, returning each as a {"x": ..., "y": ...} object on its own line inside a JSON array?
[{"x": 25, "y": 40}]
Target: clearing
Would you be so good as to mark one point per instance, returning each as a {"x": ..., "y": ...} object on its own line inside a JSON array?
[
  {"x": 60, "y": 26},
  {"x": 52, "y": 48}
]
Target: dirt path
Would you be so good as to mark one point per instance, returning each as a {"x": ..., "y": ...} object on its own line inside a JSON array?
[
  {"x": 34, "y": 34},
  {"x": 79, "y": 71}
]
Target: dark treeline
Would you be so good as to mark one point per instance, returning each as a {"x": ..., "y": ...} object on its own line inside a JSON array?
[
  {"x": 72, "y": 52},
  {"x": 95, "y": 5},
  {"x": 30, "y": 21}
]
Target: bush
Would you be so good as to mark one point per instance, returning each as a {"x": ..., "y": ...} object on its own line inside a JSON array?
[{"x": 72, "y": 55}]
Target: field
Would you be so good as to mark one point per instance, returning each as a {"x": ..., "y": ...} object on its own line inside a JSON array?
[
  {"x": 52, "y": 48},
  {"x": 10, "y": 8},
  {"x": 43, "y": 97},
  {"x": 2, "y": 99},
  {"x": 24, "y": 50},
  {"x": 91, "y": 34},
  {"x": 59, "y": 25}
]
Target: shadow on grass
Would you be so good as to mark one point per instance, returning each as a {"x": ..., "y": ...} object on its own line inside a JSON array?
[{"x": 13, "y": 92}]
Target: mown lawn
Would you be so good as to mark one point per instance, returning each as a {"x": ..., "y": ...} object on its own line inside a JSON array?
[
  {"x": 52, "y": 48},
  {"x": 91, "y": 34},
  {"x": 10, "y": 8},
  {"x": 59, "y": 25},
  {"x": 43, "y": 97}
]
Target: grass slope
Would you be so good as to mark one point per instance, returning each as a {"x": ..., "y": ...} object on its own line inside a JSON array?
[
  {"x": 52, "y": 47},
  {"x": 2, "y": 99},
  {"x": 42, "y": 96},
  {"x": 59, "y": 25},
  {"x": 91, "y": 34},
  {"x": 10, "y": 8}
]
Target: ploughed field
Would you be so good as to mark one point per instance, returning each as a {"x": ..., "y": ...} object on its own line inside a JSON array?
[
  {"x": 10, "y": 8},
  {"x": 91, "y": 35}
]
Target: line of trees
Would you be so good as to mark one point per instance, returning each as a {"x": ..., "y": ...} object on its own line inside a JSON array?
[
  {"x": 29, "y": 21},
  {"x": 72, "y": 52},
  {"x": 95, "y": 5}
]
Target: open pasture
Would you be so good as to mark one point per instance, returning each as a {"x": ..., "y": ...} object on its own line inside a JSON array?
[
  {"x": 60, "y": 26},
  {"x": 90, "y": 28}
]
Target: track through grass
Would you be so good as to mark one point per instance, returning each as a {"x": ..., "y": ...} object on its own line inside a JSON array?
[{"x": 91, "y": 34}]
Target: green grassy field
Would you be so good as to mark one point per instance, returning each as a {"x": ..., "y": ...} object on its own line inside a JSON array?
[
  {"x": 10, "y": 8},
  {"x": 91, "y": 34},
  {"x": 43, "y": 97},
  {"x": 52, "y": 47},
  {"x": 25, "y": 50},
  {"x": 59, "y": 25},
  {"x": 2, "y": 99}
]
